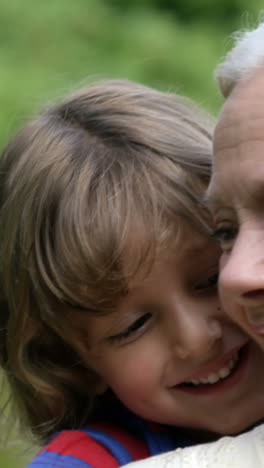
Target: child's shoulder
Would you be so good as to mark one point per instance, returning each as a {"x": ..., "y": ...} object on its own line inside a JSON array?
[
  {"x": 99, "y": 445},
  {"x": 107, "y": 444}
]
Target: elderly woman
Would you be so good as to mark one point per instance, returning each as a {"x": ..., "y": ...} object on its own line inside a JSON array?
[
  {"x": 236, "y": 198},
  {"x": 236, "y": 191}
]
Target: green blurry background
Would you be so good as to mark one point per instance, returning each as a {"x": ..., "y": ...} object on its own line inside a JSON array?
[{"x": 48, "y": 47}]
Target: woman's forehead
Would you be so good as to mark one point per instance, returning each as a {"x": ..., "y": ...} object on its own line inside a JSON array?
[{"x": 243, "y": 107}]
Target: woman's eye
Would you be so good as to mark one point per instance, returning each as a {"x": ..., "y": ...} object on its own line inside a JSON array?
[
  {"x": 209, "y": 283},
  {"x": 225, "y": 236},
  {"x": 133, "y": 329}
]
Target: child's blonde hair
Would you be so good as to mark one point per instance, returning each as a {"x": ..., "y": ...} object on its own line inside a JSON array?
[{"x": 112, "y": 159}]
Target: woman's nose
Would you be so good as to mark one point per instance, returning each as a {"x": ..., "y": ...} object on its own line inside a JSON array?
[{"x": 242, "y": 270}]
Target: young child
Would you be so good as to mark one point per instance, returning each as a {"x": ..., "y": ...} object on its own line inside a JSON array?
[{"x": 112, "y": 337}]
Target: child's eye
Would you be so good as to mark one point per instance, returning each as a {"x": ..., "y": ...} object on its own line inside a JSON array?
[
  {"x": 209, "y": 283},
  {"x": 225, "y": 236},
  {"x": 133, "y": 329}
]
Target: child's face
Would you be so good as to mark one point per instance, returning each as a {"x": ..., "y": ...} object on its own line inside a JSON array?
[
  {"x": 171, "y": 355},
  {"x": 236, "y": 195}
]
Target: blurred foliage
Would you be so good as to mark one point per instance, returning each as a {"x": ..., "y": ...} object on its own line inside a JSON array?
[
  {"x": 49, "y": 47},
  {"x": 15, "y": 457},
  {"x": 192, "y": 10}
]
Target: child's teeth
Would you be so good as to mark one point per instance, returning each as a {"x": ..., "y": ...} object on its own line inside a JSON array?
[
  {"x": 224, "y": 373},
  {"x": 215, "y": 377},
  {"x": 202, "y": 380}
]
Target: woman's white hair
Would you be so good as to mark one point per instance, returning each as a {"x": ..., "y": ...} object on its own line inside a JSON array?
[{"x": 246, "y": 55}]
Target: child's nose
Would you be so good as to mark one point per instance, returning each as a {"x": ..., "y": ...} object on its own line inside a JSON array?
[{"x": 196, "y": 335}]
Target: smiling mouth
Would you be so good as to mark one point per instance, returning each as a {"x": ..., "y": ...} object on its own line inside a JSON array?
[
  {"x": 220, "y": 378},
  {"x": 215, "y": 377}
]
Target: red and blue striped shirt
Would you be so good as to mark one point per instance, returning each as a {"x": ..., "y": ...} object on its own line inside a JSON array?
[{"x": 107, "y": 445}]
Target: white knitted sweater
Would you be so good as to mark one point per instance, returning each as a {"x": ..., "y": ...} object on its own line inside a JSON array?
[{"x": 243, "y": 451}]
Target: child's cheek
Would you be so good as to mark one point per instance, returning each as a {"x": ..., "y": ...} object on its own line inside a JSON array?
[{"x": 137, "y": 372}]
